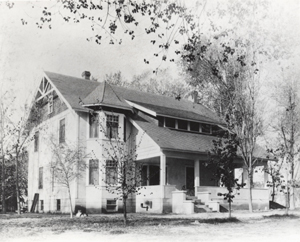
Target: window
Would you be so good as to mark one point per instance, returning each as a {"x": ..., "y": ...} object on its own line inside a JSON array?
[
  {"x": 194, "y": 126},
  {"x": 50, "y": 104},
  {"x": 112, "y": 126},
  {"x": 36, "y": 141},
  {"x": 182, "y": 124},
  {"x": 111, "y": 172},
  {"x": 94, "y": 125},
  {"x": 42, "y": 205},
  {"x": 62, "y": 131},
  {"x": 58, "y": 205},
  {"x": 111, "y": 205},
  {"x": 41, "y": 178},
  {"x": 94, "y": 172},
  {"x": 170, "y": 122},
  {"x": 205, "y": 128}
]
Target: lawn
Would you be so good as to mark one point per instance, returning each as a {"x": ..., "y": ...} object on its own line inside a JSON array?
[{"x": 266, "y": 226}]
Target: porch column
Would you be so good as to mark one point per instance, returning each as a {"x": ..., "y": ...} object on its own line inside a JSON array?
[
  {"x": 196, "y": 174},
  {"x": 162, "y": 169},
  {"x": 162, "y": 181}
]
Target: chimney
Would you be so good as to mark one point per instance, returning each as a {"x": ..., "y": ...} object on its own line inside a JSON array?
[
  {"x": 86, "y": 75},
  {"x": 195, "y": 96}
]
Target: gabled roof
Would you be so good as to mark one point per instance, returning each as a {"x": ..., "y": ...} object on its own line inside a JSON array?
[
  {"x": 72, "y": 88},
  {"x": 81, "y": 93}
]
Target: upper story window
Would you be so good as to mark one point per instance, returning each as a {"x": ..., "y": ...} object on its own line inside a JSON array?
[
  {"x": 112, "y": 126},
  {"x": 182, "y": 124},
  {"x": 206, "y": 128},
  {"x": 170, "y": 123},
  {"x": 194, "y": 126},
  {"x": 62, "y": 131},
  {"x": 36, "y": 141},
  {"x": 94, "y": 125},
  {"x": 50, "y": 104},
  {"x": 191, "y": 126}
]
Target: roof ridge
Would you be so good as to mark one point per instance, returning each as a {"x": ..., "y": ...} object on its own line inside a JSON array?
[
  {"x": 114, "y": 92},
  {"x": 71, "y": 76}
]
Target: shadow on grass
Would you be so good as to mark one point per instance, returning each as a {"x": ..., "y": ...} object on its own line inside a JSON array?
[
  {"x": 181, "y": 221},
  {"x": 281, "y": 216}
]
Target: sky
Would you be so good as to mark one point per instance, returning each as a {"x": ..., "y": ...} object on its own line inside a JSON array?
[{"x": 26, "y": 51}]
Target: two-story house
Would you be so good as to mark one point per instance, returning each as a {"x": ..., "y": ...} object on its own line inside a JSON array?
[{"x": 172, "y": 138}]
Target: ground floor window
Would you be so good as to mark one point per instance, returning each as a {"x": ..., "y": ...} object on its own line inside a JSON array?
[
  {"x": 151, "y": 175},
  {"x": 58, "y": 205},
  {"x": 111, "y": 205},
  {"x": 42, "y": 205}
]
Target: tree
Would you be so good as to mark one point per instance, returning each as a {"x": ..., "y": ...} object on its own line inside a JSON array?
[
  {"x": 162, "y": 83},
  {"x": 67, "y": 165},
  {"x": 288, "y": 132},
  {"x": 221, "y": 159}
]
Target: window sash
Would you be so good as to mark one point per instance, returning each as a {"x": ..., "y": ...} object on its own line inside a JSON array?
[
  {"x": 112, "y": 126},
  {"x": 94, "y": 172},
  {"x": 111, "y": 172},
  {"x": 94, "y": 126}
]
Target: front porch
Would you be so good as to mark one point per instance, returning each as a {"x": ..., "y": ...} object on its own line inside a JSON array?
[{"x": 183, "y": 184}]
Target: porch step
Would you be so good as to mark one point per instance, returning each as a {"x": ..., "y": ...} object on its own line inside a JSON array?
[{"x": 200, "y": 207}]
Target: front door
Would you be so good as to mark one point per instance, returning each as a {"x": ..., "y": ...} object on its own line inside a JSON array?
[{"x": 189, "y": 178}]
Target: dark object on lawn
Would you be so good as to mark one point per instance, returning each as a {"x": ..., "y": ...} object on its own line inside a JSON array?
[
  {"x": 274, "y": 205},
  {"x": 82, "y": 211}
]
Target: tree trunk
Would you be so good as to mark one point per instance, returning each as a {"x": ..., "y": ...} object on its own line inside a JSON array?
[
  {"x": 250, "y": 172},
  {"x": 3, "y": 183},
  {"x": 229, "y": 209},
  {"x": 17, "y": 181},
  {"x": 70, "y": 201},
  {"x": 125, "y": 211},
  {"x": 287, "y": 201}
]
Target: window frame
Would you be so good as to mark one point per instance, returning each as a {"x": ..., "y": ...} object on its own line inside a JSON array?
[
  {"x": 58, "y": 204},
  {"x": 112, "y": 131},
  {"x": 93, "y": 172},
  {"x": 94, "y": 127},
  {"x": 109, "y": 168}
]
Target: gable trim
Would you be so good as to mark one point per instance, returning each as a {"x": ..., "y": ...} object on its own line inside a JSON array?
[
  {"x": 141, "y": 108},
  {"x": 58, "y": 92}
]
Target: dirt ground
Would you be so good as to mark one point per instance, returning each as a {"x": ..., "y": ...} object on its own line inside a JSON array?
[{"x": 265, "y": 226}]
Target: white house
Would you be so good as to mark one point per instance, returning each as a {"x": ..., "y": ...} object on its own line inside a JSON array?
[{"x": 173, "y": 139}]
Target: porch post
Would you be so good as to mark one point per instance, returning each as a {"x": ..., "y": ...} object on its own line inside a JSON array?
[
  {"x": 196, "y": 175},
  {"x": 162, "y": 169}
]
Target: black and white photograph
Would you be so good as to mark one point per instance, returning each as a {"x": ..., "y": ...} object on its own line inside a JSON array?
[{"x": 150, "y": 120}]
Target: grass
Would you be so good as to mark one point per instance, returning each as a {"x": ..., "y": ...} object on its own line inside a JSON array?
[{"x": 157, "y": 226}]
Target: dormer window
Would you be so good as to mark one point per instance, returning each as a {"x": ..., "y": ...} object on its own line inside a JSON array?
[
  {"x": 206, "y": 128},
  {"x": 50, "y": 104},
  {"x": 194, "y": 126},
  {"x": 170, "y": 123},
  {"x": 185, "y": 125},
  {"x": 112, "y": 126},
  {"x": 182, "y": 124}
]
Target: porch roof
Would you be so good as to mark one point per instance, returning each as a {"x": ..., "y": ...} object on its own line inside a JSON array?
[{"x": 170, "y": 139}]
